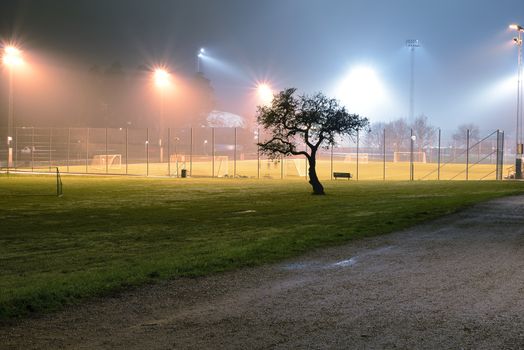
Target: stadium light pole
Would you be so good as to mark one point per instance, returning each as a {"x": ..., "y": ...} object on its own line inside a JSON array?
[
  {"x": 518, "y": 136},
  {"x": 12, "y": 57},
  {"x": 162, "y": 78},
  {"x": 412, "y": 45},
  {"x": 200, "y": 54}
]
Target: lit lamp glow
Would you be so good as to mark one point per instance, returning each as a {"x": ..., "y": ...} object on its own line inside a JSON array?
[
  {"x": 161, "y": 77},
  {"x": 162, "y": 80},
  {"x": 12, "y": 58},
  {"x": 265, "y": 93}
]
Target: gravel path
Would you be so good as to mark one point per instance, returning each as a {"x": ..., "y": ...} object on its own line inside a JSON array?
[{"x": 457, "y": 282}]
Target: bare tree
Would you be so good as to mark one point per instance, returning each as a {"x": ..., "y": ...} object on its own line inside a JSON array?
[
  {"x": 398, "y": 132},
  {"x": 460, "y": 136},
  {"x": 424, "y": 132},
  {"x": 314, "y": 120},
  {"x": 375, "y": 137}
]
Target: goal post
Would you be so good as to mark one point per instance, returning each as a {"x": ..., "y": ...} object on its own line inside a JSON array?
[
  {"x": 111, "y": 161},
  {"x": 47, "y": 181},
  {"x": 222, "y": 166},
  {"x": 418, "y": 157},
  {"x": 362, "y": 158},
  {"x": 295, "y": 167}
]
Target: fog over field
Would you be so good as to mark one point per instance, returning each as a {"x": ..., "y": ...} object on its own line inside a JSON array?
[{"x": 90, "y": 63}]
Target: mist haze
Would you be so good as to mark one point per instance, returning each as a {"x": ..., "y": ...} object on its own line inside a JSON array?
[{"x": 89, "y": 63}]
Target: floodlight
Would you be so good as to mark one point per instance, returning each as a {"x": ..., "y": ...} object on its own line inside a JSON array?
[
  {"x": 161, "y": 76},
  {"x": 412, "y": 43},
  {"x": 12, "y": 56},
  {"x": 265, "y": 93}
]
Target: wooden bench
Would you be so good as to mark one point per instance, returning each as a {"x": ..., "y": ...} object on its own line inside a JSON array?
[{"x": 336, "y": 175}]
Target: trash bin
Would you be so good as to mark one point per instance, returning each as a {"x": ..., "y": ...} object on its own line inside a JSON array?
[{"x": 184, "y": 173}]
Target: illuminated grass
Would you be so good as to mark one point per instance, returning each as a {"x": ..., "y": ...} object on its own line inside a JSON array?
[
  {"x": 291, "y": 169},
  {"x": 109, "y": 233}
]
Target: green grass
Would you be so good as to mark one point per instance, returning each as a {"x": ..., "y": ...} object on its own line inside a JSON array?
[{"x": 107, "y": 233}]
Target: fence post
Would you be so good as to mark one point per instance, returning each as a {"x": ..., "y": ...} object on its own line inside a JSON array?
[
  {"x": 127, "y": 154},
  {"x": 331, "y": 173},
  {"x": 50, "y": 145},
  {"x": 411, "y": 169},
  {"x": 502, "y": 156},
  {"x": 87, "y": 150},
  {"x": 107, "y": 163},
  {"x": 32, "y": 149},
  {"x": 497, "y": 160},
  {"x": 467, "y": 155},
  {"x": 258, "y": 153},
  {"x": 16, "y": 147},
  {"x": 358, "y": 150},
  {"x": 147, "y": 151},
  {"x": 384, "y": 160},
  {"x": 438, "y": 156},
  {"x": 213, "y": 151},
  {"x": 235, "y": 156},
  {"x": 169, "y": 152},
  {"x": 191, "y": 153},
  {"x": 282, "y": 167},
  {"x": 68, "y": 146}
]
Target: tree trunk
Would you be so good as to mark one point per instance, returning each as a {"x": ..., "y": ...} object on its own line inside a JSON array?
[{"x": 318, "y": 189}]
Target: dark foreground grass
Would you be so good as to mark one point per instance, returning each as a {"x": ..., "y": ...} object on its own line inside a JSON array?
[{"x": 109, "y": 233}]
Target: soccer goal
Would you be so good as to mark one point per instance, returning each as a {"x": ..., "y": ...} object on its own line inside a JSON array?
[
  {"x": 222, "y": 166},
  {"x": 109, "y": 161},
  {"x": 44, "y": 181},
  {"x": 363, "y": 158},
  {"x": 296, "y": 167},
  {"x": 418, "y": 157}
]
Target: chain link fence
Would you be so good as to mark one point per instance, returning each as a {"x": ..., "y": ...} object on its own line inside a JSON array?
[{"x": 233, "y": 152}]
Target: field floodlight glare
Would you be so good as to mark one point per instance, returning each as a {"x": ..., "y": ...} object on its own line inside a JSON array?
[
  {"x": 161, "y": 76},
  {"x": 200, "y": 54},
  {"x": 265, "y": 93},
  {"x": 516, "y": 27},
  {"x": 12, "y": 56}
]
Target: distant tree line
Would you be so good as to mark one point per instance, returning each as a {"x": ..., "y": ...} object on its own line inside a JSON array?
[{"x": 398, "y": 134}]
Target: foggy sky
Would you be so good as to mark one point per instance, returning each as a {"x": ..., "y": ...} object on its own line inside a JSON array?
[{"x": 309, "y": 44}]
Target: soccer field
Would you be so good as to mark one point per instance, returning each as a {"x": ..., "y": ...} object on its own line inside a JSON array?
[
  {"x": 289, "y": 169},
  {"x": 108, "y": 233}
]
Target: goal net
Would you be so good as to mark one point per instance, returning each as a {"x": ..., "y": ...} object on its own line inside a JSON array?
[
  {"x": 221, "y": 166},
  {"x": 418, "y": 157},
  {"x": 362, "y": 158},
  {"x": 111, "y": 161},
  {"x": 296, "y": 167}
]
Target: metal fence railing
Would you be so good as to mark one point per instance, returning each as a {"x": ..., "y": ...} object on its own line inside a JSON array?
[{"x": 233, "y": 152}]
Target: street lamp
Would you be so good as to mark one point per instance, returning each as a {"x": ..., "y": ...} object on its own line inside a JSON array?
[
  {"x": 12, "y": 58},
  {"x": 162, "y": 79},
  {"x": 412, "y": 44},
  {"x": 200, "y": 54},
  {"x": 518, "y": 137}
]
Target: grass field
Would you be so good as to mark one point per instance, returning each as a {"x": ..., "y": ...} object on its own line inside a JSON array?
[
  {"x": 108, "y": 233},
  {"x": 293, "y": 169}
]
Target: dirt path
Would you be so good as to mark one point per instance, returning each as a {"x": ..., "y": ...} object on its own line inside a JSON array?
[{"x": 457, "y": 282}]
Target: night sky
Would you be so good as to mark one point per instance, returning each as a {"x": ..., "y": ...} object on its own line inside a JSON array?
[{"x": 462, "y": 69}]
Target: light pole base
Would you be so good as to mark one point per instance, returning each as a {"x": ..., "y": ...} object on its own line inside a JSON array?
[
  {"x": 10, "y": 158},
  {"x": 518, "y": 168}
]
